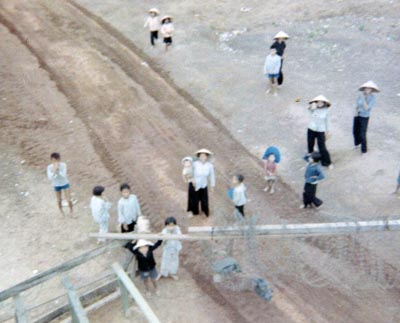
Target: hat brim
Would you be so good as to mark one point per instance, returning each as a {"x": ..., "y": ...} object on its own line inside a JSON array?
[
  {"x": 165, "y": 18},
  {"x": 203, "y": 151},
  {"x": 362, "y": 88}
]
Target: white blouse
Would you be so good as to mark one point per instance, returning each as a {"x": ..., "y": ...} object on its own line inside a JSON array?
[{"x": 203, "y": 171}]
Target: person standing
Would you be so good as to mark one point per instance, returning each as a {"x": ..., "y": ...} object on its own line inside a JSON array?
[
  {"x": 167, "y": 29},
  {"x": 239, "y": 197},
  {"x": 272, "y": 67},
  {"x": 318, "y": 128},
  {"x": 57, "y": 174},
  {"x": 365, "y": 103},
  {"x": 280, "y": 46},
  {"x": 188, "y": 178},
  {"x": 203, "y": 174},
  {"x": 99, "y": 207},
  {"x": 313, "y": 175},
  {"x": 272, "y": 157},
  {"x": 171, "y": 249},
  {"x": 153, "y": 23},
  {"x": 128, "y": 209}
]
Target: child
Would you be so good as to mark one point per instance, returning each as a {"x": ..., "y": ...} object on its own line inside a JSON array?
[
  {"x": 170, "y": 256},
  {"x": 128, "y": 209},
  {"x": 272, "y": 67},
  {"x": 143, "y": 250},
  {"x": 57, "y": 174},
  {"x": 188, "y": 177},
  {"x": 167, "y": 29},
  {"x": 313, "y": 175},
  {"x": 239, "y": 193},
  {"x": 397, "y": 190},
  {"x": 271, "y": 156},
  {"x": 154, "y": 24},
  {"x": 100, "y": 207},
  {"x": 280, "y": 46}
]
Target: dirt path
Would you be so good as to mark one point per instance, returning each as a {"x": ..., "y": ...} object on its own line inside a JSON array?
[{"x": 129, "y": 124}]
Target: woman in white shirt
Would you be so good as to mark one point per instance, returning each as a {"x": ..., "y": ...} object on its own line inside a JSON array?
[
  {"x": 203, "y": 173},
  {"x": 154, "y": 24},
  {"x": 319, "y": 127},
  {"x": 167, "y": 29}
]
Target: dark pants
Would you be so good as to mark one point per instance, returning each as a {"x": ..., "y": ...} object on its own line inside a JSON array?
[
  {"x": 191, "y": 206},
  {"x": 201, "y": 196},
  {"x": 153, "y": 35},
  {"x": 280, "y": 78},
  {"x": 131, "y": 227},
  {"x": 240, "y": 209},
  {"x": 360, "y": 127},
  {"x": 320, "y": 137},
  {"x": 309, "y": 198}
]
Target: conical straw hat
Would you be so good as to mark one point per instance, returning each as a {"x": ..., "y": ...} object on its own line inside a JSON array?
[
  {"x": 321, "y": 98},
  {"x": 188, "y": 158},
  {"x": 142, "y": 243},
  {"x": 370, "y": 85},
  {"x": 155, "y": 10},
  {"x": 281, "y": 34},
  {"x": 203, "y": 151},
  {"x": 166, "y": 17}
]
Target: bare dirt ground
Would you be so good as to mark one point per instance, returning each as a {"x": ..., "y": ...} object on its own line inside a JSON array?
[{"x": 75, "y": 86}]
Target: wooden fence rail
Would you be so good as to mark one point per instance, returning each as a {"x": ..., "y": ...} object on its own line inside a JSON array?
[{"x": 78, "y": 313}]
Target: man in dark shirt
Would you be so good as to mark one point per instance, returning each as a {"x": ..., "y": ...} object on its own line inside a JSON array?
[{"x": 143, "y": 250}]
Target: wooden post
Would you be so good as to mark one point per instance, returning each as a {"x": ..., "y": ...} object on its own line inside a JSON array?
[
  {"x": 78, "y": 313},
  {"x": 124, "y": 297},
  {"x": 131, "y": 288},
  {"x": 21, "y": 315}
]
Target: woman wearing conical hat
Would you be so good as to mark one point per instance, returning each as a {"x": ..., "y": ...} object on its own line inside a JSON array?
[
  {"x": 203, "y": 175},
  {"x": 319, "y": 127},
  {"x": 153, "y": 23},
  {"x": 280, "y": 46},
  {"x": 365, "y": 102}
]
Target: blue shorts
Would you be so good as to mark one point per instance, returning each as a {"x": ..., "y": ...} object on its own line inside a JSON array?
[
  {"x": 149, "y": 274},
  {"x": 273, "y": 76},
  {"x": 60, "y": 188}
]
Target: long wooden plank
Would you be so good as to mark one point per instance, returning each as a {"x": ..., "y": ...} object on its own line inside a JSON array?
[
  {"x": 21, "y": 315},
  {"x": 147, "y": 236},
  {"x": 131, "y": 288},
  {"x": 48, "y": 274},
  {"x": 78, "y": 313}
]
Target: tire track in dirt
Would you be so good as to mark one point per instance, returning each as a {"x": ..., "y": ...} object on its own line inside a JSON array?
[{"x": 153, "y": 126}]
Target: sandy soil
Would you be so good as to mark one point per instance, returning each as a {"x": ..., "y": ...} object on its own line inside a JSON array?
[{"x": 88, "y": 94}]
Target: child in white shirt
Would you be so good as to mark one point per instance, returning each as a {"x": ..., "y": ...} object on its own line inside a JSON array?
[
  {"x": 99, "y": 207},
  {"x": 167, "y": 29},
  {"x": 239, "y": 193}
]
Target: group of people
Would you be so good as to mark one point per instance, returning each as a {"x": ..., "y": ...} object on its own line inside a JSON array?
[{"x": 156, "y": 25}]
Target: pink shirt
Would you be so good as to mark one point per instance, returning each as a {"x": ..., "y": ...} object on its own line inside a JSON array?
[{"x": 270, "y": 168}]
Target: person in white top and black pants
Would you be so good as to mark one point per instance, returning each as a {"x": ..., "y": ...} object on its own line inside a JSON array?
[
  {"x": 319, "y": 127},
  {"x": 153, "y": 22},
  {"x": 203, "y": 174}
]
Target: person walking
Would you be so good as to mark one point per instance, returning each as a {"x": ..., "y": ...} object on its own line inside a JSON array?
[
  {"x": 280, "y": 46},
  {"x": 318, "y": 128},
  {"x": 128, "y": 209},
  {"x": 313, "y": 175},
  {"x": 99, "y": 207},
  {"x": 171, "y": 249},
  {"x": 272, "y": 67},
  {"x": 365, "y": 103},
  {"x": 188, "y": 178},
  {"x": 167, "y": 29},
  {"x": 203, "y": 175},
  {"x": 239, "y": 196},
  {"x": 153, "y": 23},
  {"x": 57, "y": 174}
]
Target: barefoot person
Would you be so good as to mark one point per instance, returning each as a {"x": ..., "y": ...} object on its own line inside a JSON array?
[
  {"x": 318, "y": 128},
  {"x": 365, "y": 103},
  {"x": 188, "y": 178},
  {"x": 239, "y": 197},
  {"x": 272, "y": 156},
  {"x": 99, "y": 207},
  {"x": 57, "y": 174},
  {"x": 167, "y": 29},
  {"x": 313, "y": 175},
  {"x": 272, "y": 67},
  {"x": 143, "y": 250},
  {"x": 128, "y": 209},
  {"x": 171, "y": 249},
  {"x": 153, "y": 23},
  {"x": 203, "y": 174},
  {"x": 280, "y": 46}
]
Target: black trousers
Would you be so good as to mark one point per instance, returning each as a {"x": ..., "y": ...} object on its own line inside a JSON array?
[
  {"x": 240, "y": 209},
  {"x": 280, "y": 78},
  {"x": 131, "y": 227},
  {"x": 360, "y": 127},
  {"x": 309, "y": 198},
  {"x": 153, "y": 35},
  {"x": 320, "y": 137},
  {"x": 201, "y": 196},
  {"x": 191, "y": 205}
]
